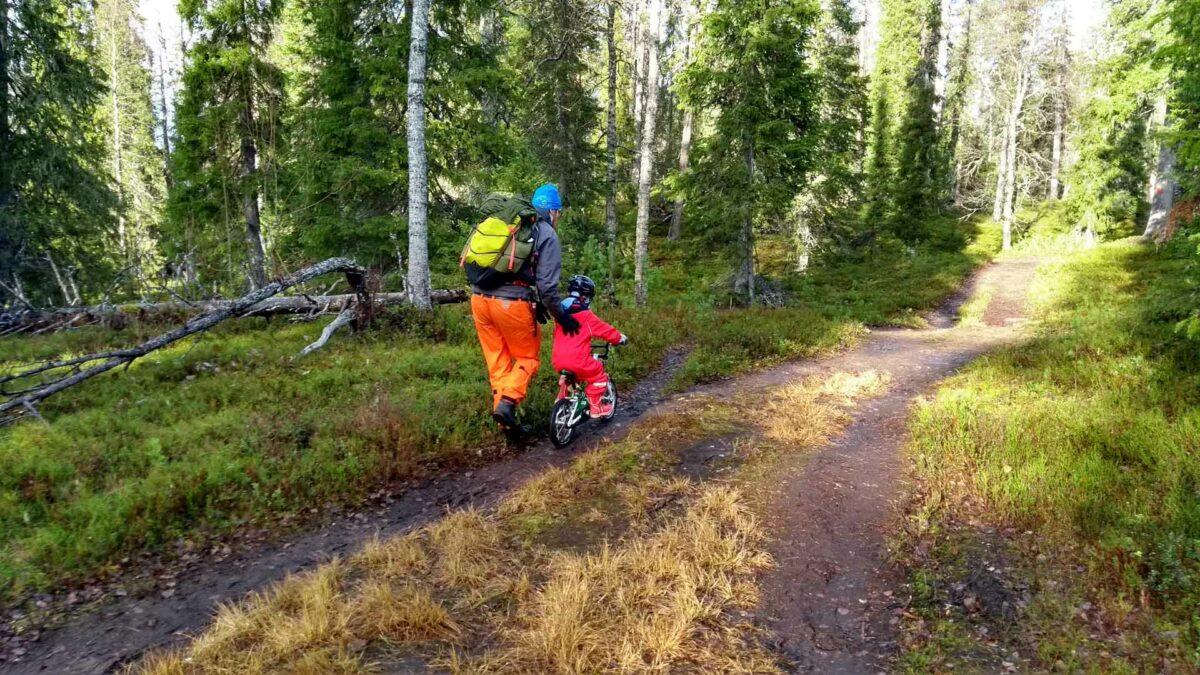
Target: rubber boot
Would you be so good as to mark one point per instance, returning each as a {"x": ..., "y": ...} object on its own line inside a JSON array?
[{"x": 506, "y": 414}]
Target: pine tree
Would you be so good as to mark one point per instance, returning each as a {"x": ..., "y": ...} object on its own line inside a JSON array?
[
  {"x": 56, "y": 207},
  {"x": 751, "y": 70},
  {"x": 227, "y": 122}
]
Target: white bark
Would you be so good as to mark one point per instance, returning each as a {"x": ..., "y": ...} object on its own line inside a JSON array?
[
  {"x": 685, "y": 145},
  {"x": 1162, "y": 181},
  {"x": 646, "y": 149},
  {"x": 610, "y": 197},
  {"x": 418, "y": 167},
  {"x": 1008, "y": 193}
]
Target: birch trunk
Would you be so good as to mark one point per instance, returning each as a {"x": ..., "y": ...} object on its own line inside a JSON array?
[
  {"x": 610, "y": 198},
  {"x": 1056, "y": 147},
  {"x": 685, "y": 146},
  {"x": 1162, "y": 180},
  {"x": 641, "y": 47},
  {"x": 113, "y": 88},
  {"x": 255, "y": 268},
  {"x": 646, "y": 149},
  {"x": 418, "y": 285},
  {"x": 164, "y": 115},
  {"x": 1012, "y": 130}
]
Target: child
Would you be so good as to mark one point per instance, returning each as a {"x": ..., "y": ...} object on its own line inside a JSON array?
[{"x": 574, "y": 352}]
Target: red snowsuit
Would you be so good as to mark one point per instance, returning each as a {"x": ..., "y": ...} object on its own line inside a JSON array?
[{"x": 574, "y": 352}]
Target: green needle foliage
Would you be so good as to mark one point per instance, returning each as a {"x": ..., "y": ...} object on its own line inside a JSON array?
[
  {"x": 56, "y": 197},
  {"x": 751, "y": 71}
]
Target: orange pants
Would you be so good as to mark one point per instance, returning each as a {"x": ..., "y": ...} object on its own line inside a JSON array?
[{"x": 511, "y": 341}]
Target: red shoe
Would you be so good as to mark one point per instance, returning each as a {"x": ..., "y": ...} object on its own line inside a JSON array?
[{"x": 598, "y": 406}]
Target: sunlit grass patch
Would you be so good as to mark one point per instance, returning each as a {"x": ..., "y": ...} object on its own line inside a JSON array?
[{"x": 1086, "y": 437}]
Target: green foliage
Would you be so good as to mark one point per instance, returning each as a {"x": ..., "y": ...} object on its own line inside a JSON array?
[
  {"x": 1182, "y": 54},
  {"x": 824, "y": 208},
  {"x": 752, "y": 71},
  {"x": 55, "y": 195},
  {"x": 902, "y": 168},
  {"x": 1088, "y": 432},
  {"x": 1108, "y": 182},
  {"x": 229, "y": 105},
  {"x": 127, "y": 120},
  {"x": 552, "y": 45}
]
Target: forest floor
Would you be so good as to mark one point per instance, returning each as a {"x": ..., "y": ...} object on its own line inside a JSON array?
[{"x": 826, "y": 499}]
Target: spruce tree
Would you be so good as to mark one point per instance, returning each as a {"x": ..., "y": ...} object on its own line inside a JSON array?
[
  {"x": 553, "y": 48},
  {"x": 752, "y": 71},
  {"x": 227, "y": 121},
  {"x": 128, "y": 120},
  {"x": 903, "y": 131},
  {"x": 823, "y": 207},
  {"x": 56, "y": 206}
]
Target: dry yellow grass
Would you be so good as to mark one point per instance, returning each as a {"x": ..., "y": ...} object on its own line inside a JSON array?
[
  {"x": 807, "y": 413},
  {"x": 482, "y": 592}
]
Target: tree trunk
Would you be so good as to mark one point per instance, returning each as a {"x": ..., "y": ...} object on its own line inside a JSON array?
[
  {"x": 8, "y": 233},
  {"x": 610, "y": 198},
  {"x": 744, "y": 283},
  {"x": 113, "y": 89},
  {"x": 418, "y": 166},
  {"x": 641, "y": 46},
  {"x": 82, "y": 368},
  {"x": 164, "y": 111},
  {"x": 646, "y": 150},
  {"x": 1162, "y": 181},
  {"x": 685, "y": 146},
  {"x": 1056, "y": 146},
  {"x": 255, "y": 268},
  {"x": 1001, "y": 177},
  {"x": 1012, "y": 131}
]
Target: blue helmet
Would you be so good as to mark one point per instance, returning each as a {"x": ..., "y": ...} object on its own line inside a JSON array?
[{"x": 546, "y": 197}]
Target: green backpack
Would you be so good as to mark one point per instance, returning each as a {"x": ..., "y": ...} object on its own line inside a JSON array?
[{"x": 500, "y": 245}]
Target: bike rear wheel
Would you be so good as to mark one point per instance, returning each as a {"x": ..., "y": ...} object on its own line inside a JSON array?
[{"x": 562, "y": 432}]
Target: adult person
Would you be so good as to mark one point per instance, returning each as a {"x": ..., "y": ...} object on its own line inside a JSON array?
[{"x": 507, "y": 316}]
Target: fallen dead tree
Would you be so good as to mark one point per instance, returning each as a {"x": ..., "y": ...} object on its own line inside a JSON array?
[
  {"x": 36, "y": 383},
  {"x": 54, "y": 318}
]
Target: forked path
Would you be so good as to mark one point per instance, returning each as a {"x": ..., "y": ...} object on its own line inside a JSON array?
[
  {"x": 828, "y": 513},
  {"x": 832, "y": 598}
]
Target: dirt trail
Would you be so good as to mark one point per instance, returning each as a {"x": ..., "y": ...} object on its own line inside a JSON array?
[
  {"x": 118, "y": 629},
  {"x": 828, "y": 511},
  {"x": 833, "y": 597}
]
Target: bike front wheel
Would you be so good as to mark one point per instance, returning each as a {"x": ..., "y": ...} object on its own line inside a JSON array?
[
  {"x": 610, "y": 397},
  {"x": 562, "y": 431}
]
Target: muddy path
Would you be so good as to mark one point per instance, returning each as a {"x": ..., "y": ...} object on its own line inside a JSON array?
[{"x": 163, "y": 607}]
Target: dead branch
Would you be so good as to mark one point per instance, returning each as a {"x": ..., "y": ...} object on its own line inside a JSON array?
[
  {"x": 53, "y": 318},
  {"x": 79, "y": 370},
  {"x": 345, "y": 317}
]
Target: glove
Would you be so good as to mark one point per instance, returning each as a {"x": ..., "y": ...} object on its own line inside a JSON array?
[
  {"x": 541, "y": 313},
  {"x": 624, "y": 339},
  {"x": 570, "y": 324}
]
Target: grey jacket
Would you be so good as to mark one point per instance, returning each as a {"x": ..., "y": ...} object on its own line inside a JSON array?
[{"x": 540, "y": 276}]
